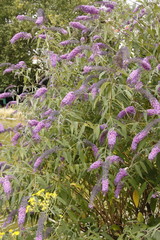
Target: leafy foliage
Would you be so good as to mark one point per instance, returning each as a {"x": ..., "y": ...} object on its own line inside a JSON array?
[{"x": 75, "y": 142}]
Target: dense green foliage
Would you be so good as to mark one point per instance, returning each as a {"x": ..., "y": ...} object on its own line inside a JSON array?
[{"x": 58, "y": 187}]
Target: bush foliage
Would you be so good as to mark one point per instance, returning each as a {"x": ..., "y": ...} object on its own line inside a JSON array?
[{"x": 85, "y": 164}]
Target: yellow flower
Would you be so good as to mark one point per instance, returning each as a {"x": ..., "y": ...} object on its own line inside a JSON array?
[
  {"x": 10, "y": 230},
  {"x": 40, "y": 192},
  {"x": 16, "y": 233},
  {"x": 54, "y": 195},
  {"x": 32, "y": 201},
  {"x": 2, "y": 234}
]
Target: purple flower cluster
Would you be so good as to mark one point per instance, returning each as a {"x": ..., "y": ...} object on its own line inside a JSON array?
[
  {"x": 151, "y": 112},
  {"x": 38, "y": 127},
  {"x": 74, "y": 52},
  {"x": 41, "y": 221},
  {"x": 40, "y": 92},
  {"x": 13, "y": 67},
  {"x": 111, "y": 136},
  {"x": 145, "y": 64},
  {"x": 19, "y": 35},
  {"x": 113, "y": 158},
  {"x": 33, "y": 122},
  {"x": 6, "y": 185},
  {"x": 1, "y": 128},
  {"x": 68, "y": 99},
  {"x": 40, "y": 20},
  {"x": 10, "y": 103},
  {"x": 103, "y": 137},
  {"x": 22, "y": 212},
  {"x": 139, "y": 137},
  {"x": 15, "y": 138},
  {"x": 5, "y": 95},
  {"x": 88, "y": 9},
  {"x": 95, "y": 150},
  {"x": 127, "y": 110},
  {"x": 105, "y": 183},
  {"x": 77, "y": 25},
  {"x": 117, "y": 181},
  {"x": 155, "y": 150},
  {"x": 95, "y": 165},
  {"x": 134, "y": 77}
]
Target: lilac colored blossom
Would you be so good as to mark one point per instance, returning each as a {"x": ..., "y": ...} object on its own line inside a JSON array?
[
  {"x": 127, "y": 110},
  {"x": 21, "y": 17},
  {"x": 95, "y": 37},
  {"x": 105, "y": 184},
  {"x": 151, "y": 112},
  {"x": 48, "y": 124},
  {"x": 139, "y": 137},
  {"x": 41, "y": 221},
  {"x": 142, "y": 13},
  {"x": 138, "y": 85},
  {"x": 10, "y": 103},
  {"x": 5, "y": 95},
  {"x": 1, "y": 128},
  {"x": 37, "y": 163},
  {"x": 155, "y": 103},
  {"x": 111, "y": 136},
  {"x": 13, "y": 67},
  {"x": 19, "y": 35},
  {"x": 22, "y": 212},
  {"x": 83, "y": 18},
  {"x": 134, "y": 77},
  {"x": 77, "y": 25},
  {"x": 74, "y": 52},
  {"x": 121, "y": 174},
  {"x": 6, "y": 186},
  {"x": 155, "y": 150},
  {"x": 33, "y": 122},
  {"x": 94, "y": 92},
  {"x": 109, "y": 4},
  {"x": 95, "y": 150},
  {"x": 103, "y": 137},
  {"x": 39, "y": 20},
  {"x": 41, "y": 91},
  {"x": 68, "y": 99},
  {"x": 136, "y": 9},
  {"x": 63, "y": 31},
  {"x": 54, "y": 59},
  {"x": 155, "y": 195},
  {"x": 87, "y": 69},
  {"x": 38, "y": 127},
  {"x": 1, "y": 144},
  {"x": 82, "y": 40},
  {"x": 118, "y": 189},
  {"x": 95, "y": 165},
  {"x": 158, "y": 67},
  {"x": 36, "y": 137},
  {"x": 88, "y": 9},
  {"x": 103, "y": 126},
  {"x": 42, "y": 36},
  {"x": 64, "y": 56},
  {"x": 114, "y": 158},
  {"x": 15, "y": 138},
  {"x": 66, "y": 42},
  {"x": 48, "y": 112},
  {"x": 145, "y": 64},
  {"x": 96, "y": 189}
]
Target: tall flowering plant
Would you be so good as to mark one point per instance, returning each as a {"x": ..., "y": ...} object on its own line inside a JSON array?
[{"x": 91, "y": 132}]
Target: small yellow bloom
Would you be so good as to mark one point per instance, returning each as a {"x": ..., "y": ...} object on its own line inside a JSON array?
[
  {"x": 16, "y": 233},
  {"x": 2, "y": 234},
  {"x": 54, "y": 195}
]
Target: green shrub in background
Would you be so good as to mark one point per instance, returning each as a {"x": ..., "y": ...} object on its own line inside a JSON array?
[{"x": 85, "y": 165}]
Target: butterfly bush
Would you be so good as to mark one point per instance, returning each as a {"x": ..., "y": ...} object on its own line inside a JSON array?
[
  {"x": 20, "y": 35},
  {"x": 122, "y": 81}
]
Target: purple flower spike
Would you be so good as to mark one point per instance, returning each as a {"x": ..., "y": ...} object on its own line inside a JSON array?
[
  {"x": 22, "y": 212},
  {"x": 33, "y": 122},
  {"x": 38, "y": 127},
  {"x": 21, "y": 17},
  {"x": 158, "y": 67},
  {"x": 54, "y": 59},
  {"x": 121, "y": 174},
  {"x": 40, "y": 92},
  {"x": 10, "y": 103},
  {"x": 74, "y": 52},
  {"x": 88, "y": 9},
  {"x": 114, "y": 158},
  {"x": 19, "y": 35},
  {"x": 145, "y": 64},
  {"x": 105, "y": 184},
  {"x": 15, "y": 138},
  {"x": 95, "y": 37},
  {"x": 139, "y": 137},
  {"x": 155, "y": 103},
  {"x": 103, "y": 126},
  {"x": 5, "y": 95},
  {"x": 95, "y": 150},
  {"x": 128, "y": 110},
  {"x": 83, "y": 18},
  {"x": 151, "y": 112},
  {"x": 118, "y": 189},
  {"x": 37, "y": 163},
  {"x": 111, "y": 136},
  {"x": 39, "y": 20},
  {"x": 68, "y": 99},
  {"x": 6, "y": 186},
  {"x": 103, "y": 137},
  {"x": 95, "y": 165},
  {"x": 134, "y": 77},
  {"x": 154, "y": 152},
  {"x": 1, "y": 128},
  {"x": 77, "y": 25}
]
